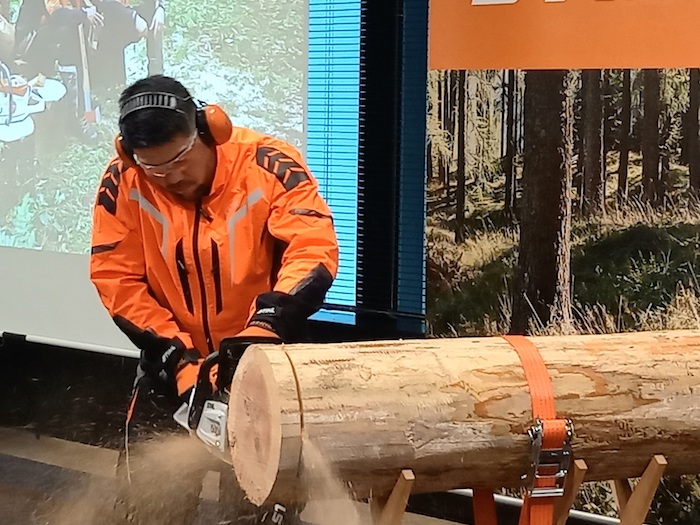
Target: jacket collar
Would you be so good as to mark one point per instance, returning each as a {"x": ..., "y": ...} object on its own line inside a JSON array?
[{"x": 223, "y": 175}]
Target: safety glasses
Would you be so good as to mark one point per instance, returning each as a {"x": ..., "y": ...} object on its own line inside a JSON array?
[{"x": 161, "y": 170}]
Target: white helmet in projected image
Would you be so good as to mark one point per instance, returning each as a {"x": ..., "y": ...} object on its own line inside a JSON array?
[{"x": 20, "y": 98}]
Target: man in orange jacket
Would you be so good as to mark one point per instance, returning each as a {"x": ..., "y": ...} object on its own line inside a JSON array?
[{"x": 204, "y": 231}]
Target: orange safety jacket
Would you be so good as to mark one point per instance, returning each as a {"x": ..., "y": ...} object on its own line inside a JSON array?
[{"x": 260, "y": 247}]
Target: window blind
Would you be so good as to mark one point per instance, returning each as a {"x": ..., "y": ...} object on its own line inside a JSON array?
[
  {"x": 332, "y": 132},
  {"x": 412, "y": 182}
]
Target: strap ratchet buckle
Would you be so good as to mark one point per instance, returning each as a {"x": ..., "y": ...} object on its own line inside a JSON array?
[{"x": 548, "y": 466}]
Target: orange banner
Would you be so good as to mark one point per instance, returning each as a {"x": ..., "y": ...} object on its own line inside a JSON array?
[{"x": 564, "y": 34}]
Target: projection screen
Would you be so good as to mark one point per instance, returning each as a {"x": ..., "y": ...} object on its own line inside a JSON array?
[{"x": 290, "y": 69}]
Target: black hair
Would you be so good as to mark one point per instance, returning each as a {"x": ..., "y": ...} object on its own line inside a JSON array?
[{"x": 155, "y": 126}]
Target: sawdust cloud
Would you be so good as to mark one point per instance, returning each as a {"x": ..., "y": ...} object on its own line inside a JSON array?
[
  {"x": 329, "y": 501},
  {"x": 166, "y": 478},
  {"x": 167, "y": 474}
]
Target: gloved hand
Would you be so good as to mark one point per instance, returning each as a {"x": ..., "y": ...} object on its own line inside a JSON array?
[
  {"x": 282, "y": 313},
  {"x": 161, "y": 361}
]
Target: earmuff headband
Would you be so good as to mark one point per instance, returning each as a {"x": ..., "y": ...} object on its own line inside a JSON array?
[
  {"x": 212, "y": 122},
  {"x": 154, "y": 99}
]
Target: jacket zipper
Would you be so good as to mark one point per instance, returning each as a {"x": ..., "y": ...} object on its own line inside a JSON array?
[
  {"x": 217, "y": 276},
  {"x": 182, "y": 273},
  {"x": 200, "y": 278}
]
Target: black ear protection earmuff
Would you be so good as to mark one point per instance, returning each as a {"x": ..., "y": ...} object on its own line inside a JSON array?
[{"x": 213, "y": 124}]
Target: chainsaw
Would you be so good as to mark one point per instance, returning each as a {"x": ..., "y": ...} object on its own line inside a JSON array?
[{"x": 205, "y": 414}]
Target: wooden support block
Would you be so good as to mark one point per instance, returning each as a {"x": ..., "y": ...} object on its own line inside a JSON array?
[
  {"x": 390, "y": 511},
  {"x": 637, "y": 507},
  {"x": 622, "y": 490},
  {"x": 574, "y": 479}
]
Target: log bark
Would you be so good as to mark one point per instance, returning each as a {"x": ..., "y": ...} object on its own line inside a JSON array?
[{"x": 456, "y": 411}]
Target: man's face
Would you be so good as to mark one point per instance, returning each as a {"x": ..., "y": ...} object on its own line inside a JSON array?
[{"x": 177, "y": 166}]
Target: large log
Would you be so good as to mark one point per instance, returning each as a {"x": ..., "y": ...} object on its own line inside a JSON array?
[{"x": 456, "y": 411}]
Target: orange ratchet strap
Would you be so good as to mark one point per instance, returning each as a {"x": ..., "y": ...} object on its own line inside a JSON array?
[
  {"x": 550, "y": 438},
  {"x": 484, "y": 507},
  {"x": 550, "y": 442}
]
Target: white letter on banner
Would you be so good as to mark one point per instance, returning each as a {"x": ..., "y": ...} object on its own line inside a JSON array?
[
  {"x": 506, "y": 2},
  {"x": 493, "y": 2}
]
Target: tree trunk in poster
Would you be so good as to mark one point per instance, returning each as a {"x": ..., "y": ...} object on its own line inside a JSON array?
[
  {"x": 442, "y": 93},
  {"x": 592, "y": 132},
  {"x": 448, "y": 122},
  {"x": 665, "y": 146},
  {"x": 504, "y": 111},
  {"x": 429, "y": 162},
  {"x": 461, "y": 155},
  {"x": 693, "y": 131},
  {"x": 605, "y": 134},
  {"x": 665, "y": 170},
  {"x": 542, "y": 281},
  {"x": 625, "y": 124},
  {"x": 650, "y": 133},
  {"x": 508, "y": 161}
]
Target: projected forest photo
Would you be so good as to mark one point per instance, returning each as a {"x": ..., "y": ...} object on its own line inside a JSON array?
[{"x": 62, "y": 69}]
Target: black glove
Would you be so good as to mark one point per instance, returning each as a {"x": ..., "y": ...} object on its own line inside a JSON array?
[
  {"x": 283, "y": 314},
  {"x": 160, "y": 360}
]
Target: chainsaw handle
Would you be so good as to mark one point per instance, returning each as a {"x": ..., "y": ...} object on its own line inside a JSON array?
[
  {"x": 232, "y": 350},
  {"x": 202, "y": 390}
]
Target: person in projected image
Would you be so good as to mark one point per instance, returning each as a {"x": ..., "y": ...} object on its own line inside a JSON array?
[
  {"x": 149, "y": 23},
  {"x": 48, "y": 45},
  {"x": 203, "y": 231},
  {"x": 46, "y": 39},
  {"x": 127, "y": 22}
]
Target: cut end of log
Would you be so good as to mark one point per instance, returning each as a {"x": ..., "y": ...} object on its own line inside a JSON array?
[{"x": 254, "y": 425}]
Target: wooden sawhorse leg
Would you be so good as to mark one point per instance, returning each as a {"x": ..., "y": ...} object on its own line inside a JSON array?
[
  {"x": 390, "y": 511},
  {"x": 574, "y": 479},
  {"x": 633, "y": 505}
]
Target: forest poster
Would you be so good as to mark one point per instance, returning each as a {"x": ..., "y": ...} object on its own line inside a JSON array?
[{"x": 563, "y": 177}]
